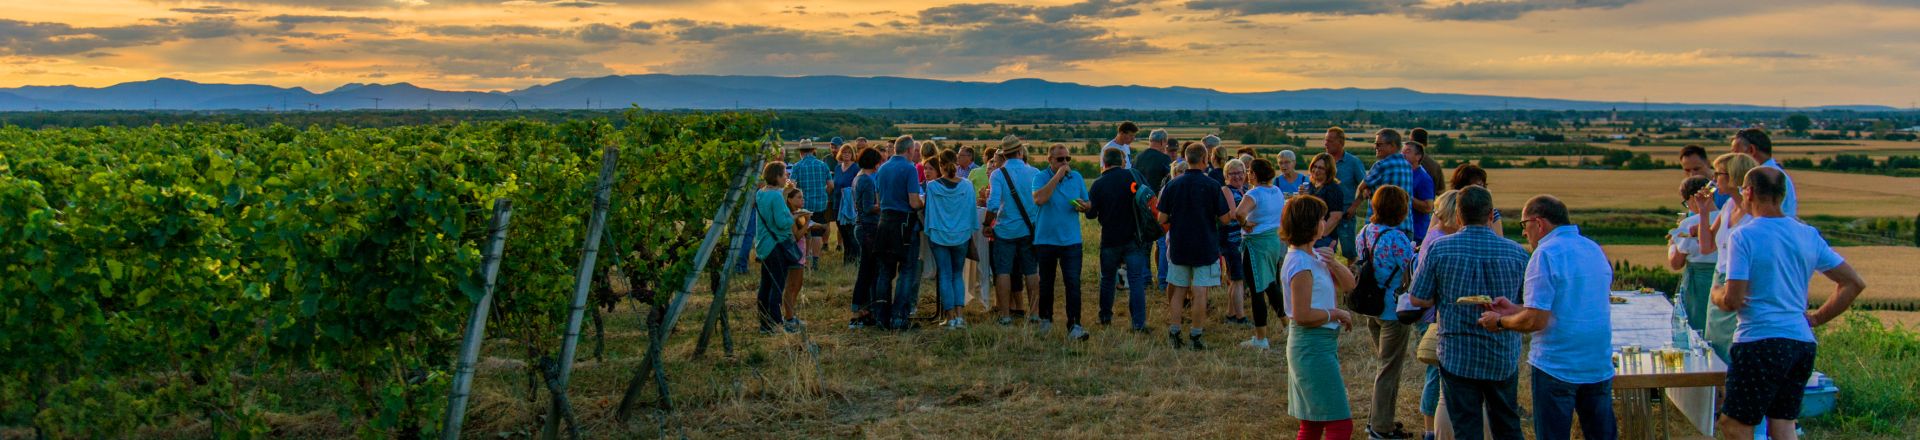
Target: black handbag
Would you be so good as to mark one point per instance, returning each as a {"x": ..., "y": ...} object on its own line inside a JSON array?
[
  {"x": 1146, "y": 228},
  {"x": 1369, "y": 297}
]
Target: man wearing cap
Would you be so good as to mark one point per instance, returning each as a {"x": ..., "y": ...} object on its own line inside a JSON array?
[
  {"x": 1123, "y": 140},
  {"x": 1154, "y": 164},
  {"x": 815, "y": 181},
  {"x": 1012, "y": 213}
]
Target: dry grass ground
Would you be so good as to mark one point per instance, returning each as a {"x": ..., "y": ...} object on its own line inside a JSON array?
[{"x": 1820, "y": 193}]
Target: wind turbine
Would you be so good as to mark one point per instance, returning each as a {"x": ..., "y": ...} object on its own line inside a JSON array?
[{"x": 376, "y": 102}]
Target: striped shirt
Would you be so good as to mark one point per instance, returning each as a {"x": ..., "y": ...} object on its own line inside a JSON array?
[{"x": 1474, "y": 261}]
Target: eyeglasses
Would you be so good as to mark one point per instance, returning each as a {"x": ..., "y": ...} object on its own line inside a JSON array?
[{"x": 1237, "y": 173}]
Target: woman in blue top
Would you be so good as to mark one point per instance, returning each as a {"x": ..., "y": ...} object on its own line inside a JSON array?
[
  {"x": 1259, "y": 216},
  {"x": 1311, "y": 281},
  {"x": 1392, "y": 251},
  {"x": 950, "y": 226},
  {"x": 1232, "y": 271},
  {"x": 1290, "y": 180},
  {"x": 775, "y": 246}
]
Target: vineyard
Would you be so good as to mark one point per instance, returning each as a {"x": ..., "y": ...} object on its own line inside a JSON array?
[{"x": 162, "y": 275}]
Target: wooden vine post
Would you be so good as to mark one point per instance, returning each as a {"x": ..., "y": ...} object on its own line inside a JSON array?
[
  {"x": 583, "y": 280},
  {"x": 717, "y": 312},
  {"x": 651, "y": 366},
  {"x": 477, "y": 324}
]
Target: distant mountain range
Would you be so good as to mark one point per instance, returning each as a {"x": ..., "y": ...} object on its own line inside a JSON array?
[{"x": 661, "y": 91}]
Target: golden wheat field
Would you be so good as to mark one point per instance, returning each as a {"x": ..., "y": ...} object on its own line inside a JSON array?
[
  {"x": 1889, "y": 271},
  {"x": 1820, "y": 193}
]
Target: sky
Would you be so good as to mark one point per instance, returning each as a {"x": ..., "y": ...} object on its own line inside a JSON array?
[{"x": 1707, "y": 51}]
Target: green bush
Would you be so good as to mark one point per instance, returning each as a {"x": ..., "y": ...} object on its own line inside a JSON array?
[{"x": 1874, "y": 366}]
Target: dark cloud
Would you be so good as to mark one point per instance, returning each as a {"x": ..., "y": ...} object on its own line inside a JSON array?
[
  {"x": 288, "y": 22},
  {"x": 964, "y": 14},
  {"x": 484, "y": 31},
  {"x": 575, "y": 4},
  {"x": 46, "y": 38},
  {"x": 502, "y": 60},
  {"x": 1314, "y": 7},
  {"x": 1457, "y": 11},
  {"x": 953, "y": 49},
  {"x": 1764, "y": 54},
  {"x": 606, "y": 33},
  {"x": 210, "y": 10}
]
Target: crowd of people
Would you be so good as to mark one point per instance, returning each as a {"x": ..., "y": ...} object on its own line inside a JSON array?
[{"x": 1428, "y": 264}]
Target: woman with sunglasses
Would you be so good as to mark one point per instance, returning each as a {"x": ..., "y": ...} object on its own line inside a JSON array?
[
  {"x": 1326, "y": 186},
  {"x": 1729, "y": 171}
]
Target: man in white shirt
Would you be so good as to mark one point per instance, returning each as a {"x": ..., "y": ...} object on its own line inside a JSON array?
[
  {"x": 1567, "y": 299},
  {"x": 1772, "y": 257},
  {"x": 1123, "y": 141},
  {"x": 1754, "y": 142}
]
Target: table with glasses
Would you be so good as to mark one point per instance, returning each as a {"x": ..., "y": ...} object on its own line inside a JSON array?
[{"x": 1646, "y": 360}]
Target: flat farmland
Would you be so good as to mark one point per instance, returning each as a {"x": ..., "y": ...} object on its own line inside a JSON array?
[
  {"x": 1820, "y": 193},
  {"x": 1888, "y": 270}
]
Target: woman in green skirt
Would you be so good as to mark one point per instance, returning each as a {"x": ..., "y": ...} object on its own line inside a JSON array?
[
  {"x": 1684, "y": 254},
  {"x": 1729, "y": 171},
  {"x": 1316, "y": 394},
  {"x": 1260, "y": 213}
]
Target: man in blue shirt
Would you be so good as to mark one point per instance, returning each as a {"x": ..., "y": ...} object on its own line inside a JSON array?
[
  {"x": 815, "y": 180},
  {"x": 1011, "y": 211},
  {"x": 1568, "y": 284},
  {"x": 1392, "y": 168},
  {"x": 1421, "y": 192},
  {"x": 1350, "y": 171},
  {"x": 1772, "y": 257},
  {"x": 1477, "y": 366},
  {"x": 1193, "y": 208},
  {"x": 1755, "y": 142},
  {"x": 1061, "y": 197},
  {"x": 898, "y": 235}
]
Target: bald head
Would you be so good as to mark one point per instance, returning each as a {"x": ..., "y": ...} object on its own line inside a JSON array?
[{"x": 1767, "y": 185}]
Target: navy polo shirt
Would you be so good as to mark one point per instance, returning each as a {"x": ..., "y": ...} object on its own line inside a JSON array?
[{"x": 1193, "y": 204}]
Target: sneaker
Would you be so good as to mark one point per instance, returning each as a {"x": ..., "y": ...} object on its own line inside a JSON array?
[
  {"x": 1174, "y": 335},
  {"x": 856, "y": 324},
  {"x": 899, "y": 324},
  {"x": 1045, "y": 324},
  {"x": 1006, "y": 320},
  {"x": 1257, "y": 344},
  {"x": 790, "y": 327},
  {"x": 1033, "y": 319},
  {"x": 1197, "y": 345},
  {"x": 1397, "y": 433},
  {"x": 1077, "y": 333},
  {"x": 957, "y": 323}
]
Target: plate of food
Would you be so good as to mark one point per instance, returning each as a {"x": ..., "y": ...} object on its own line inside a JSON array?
[
  {"x": 1477, "y": 300},
  {"x": 1646, "y": 290},
  {"x": 1617, "y": 299}
]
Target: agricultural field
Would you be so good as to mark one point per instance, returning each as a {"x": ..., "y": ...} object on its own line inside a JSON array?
[
  {"x": 1820, "y": 193},
  {"x": 1891, "y": 280}
]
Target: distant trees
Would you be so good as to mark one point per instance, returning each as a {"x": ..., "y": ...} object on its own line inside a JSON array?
[{"x": 1799, "y": 123}]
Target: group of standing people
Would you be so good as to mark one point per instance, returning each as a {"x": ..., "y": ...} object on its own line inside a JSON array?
[{"x": 1424, "y": 265}]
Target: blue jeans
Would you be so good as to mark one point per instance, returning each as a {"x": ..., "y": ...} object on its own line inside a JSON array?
[
  {"x": 952, "y": 262},
  {"x": 746, "y": 250},
  {"x": 1430, "y": 391},
  {"x": 1067, "y": 259},
  {"x": 1556, "y": 401},
  {"x": 1502, "y": 408},
  {"x": 1160, "y": 248},
  {"x": 773, "y": 283},
  {"x": 1134, "y": 257}
]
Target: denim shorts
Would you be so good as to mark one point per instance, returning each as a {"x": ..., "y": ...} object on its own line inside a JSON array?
[
  {"x": 1194, "y": 276},
  {"x": 1014, "y": 257}
]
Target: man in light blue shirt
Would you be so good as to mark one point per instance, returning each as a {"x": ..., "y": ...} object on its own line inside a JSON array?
[
  {"x": 1567, "y": 288},
  {"x": 1350, "y": 171},
  {"x": 1771, "y": 258},
  {"x": 1754, "y": 142},
  {"x": 1011, "y": 211},
  {"x": 1060, "y": 194}
]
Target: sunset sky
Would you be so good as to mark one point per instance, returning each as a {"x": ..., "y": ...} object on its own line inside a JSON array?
[{"x": 1723, "y": 51}]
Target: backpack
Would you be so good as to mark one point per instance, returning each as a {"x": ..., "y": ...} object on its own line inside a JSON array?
[
  {"x": 1146, "y": 229},
  {"x": 1369, "y": 296}
]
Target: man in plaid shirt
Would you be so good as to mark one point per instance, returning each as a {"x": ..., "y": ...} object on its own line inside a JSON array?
[
  {"x": 1477, "y": 366},
  {"x": 1391, "y": 169},
  {"x": 815, "y": 180}
]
